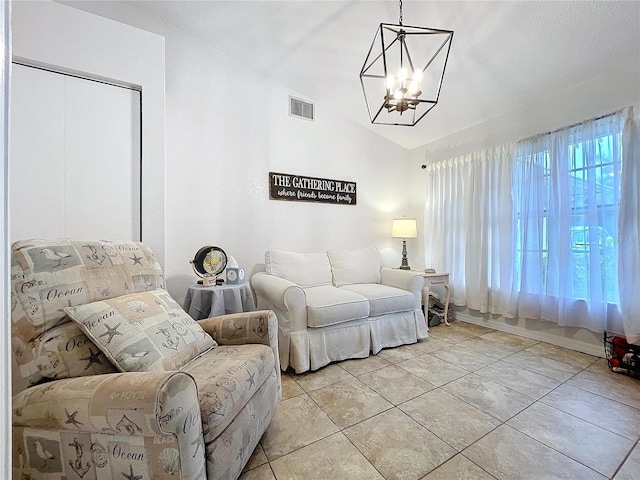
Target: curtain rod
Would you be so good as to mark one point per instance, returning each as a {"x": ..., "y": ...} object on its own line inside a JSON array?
[{"x": 600, "y": 117}]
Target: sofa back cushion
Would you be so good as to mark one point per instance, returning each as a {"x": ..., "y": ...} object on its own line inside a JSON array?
[
  {"x": 355, "y": 266},
  {"x": 304, "y": 269}
]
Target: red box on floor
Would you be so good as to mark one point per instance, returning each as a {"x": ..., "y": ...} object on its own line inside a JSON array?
[{"x": 622, "y": 357}]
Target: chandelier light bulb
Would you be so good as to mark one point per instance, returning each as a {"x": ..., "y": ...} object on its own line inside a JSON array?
[
  {"x": 414, "y": 89},
  {"x": 399, "y": 94},
  {"x": 390, "y": 82},
  {"x": 402, "y": 75}
]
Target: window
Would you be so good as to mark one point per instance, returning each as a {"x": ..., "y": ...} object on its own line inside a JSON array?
[{"x": 566, "y": 198}]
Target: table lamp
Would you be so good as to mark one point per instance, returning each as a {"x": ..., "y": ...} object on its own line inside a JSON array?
[{"x": 404, "y": 228}]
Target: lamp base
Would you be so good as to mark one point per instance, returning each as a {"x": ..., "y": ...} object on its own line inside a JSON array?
[{"x": 405, "y": 263}]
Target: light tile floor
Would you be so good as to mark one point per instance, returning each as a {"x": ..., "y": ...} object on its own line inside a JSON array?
[{"x": 467, "y": 403}]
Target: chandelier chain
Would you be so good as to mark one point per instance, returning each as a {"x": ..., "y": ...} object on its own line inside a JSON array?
[{"x": 400, "y": 20}]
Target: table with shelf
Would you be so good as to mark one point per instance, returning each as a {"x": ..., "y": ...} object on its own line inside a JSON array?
[
  {"x": 438, "y": 279},
  {"x": 205, "y": 302}
]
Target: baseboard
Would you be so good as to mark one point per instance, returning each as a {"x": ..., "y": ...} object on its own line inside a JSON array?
[{"x": 572, "y": 344}]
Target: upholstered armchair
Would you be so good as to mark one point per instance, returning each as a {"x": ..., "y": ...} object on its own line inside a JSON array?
[{"x": 113, "y": 380}]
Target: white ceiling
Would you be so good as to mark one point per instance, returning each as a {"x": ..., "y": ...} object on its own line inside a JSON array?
[{"x": 505, "y": 54}]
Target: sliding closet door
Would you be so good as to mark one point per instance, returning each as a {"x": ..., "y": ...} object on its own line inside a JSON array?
[{"x": 74, "y": 157}]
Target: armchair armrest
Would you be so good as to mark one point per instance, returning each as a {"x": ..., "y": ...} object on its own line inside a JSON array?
[
  {"x": 247, "y": 327},
  {"x": 88, "y": 403},
  {"x": 260, "y": 327},
  {"x": 404, "y": 279},
  {"x": 133, "y": 409}
]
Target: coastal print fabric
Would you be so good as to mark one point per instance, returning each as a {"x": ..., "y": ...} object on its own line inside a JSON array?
[
  {"x": 238, "y": 440},
  {"x": 144, "y": 331},
  {"x": 66, "y": 352},
  {"x": 239, "y": 371},
  {"x": 89, "y": 428},
  {"x": 49, "y": 275}
]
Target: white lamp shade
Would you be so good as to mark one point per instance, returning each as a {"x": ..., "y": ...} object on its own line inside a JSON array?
[{"x": 404, "y": 228}]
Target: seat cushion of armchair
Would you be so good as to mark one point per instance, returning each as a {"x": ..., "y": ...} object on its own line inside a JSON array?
[
  {"x": 328, "y": 305},
  {"x": 227, "y": 378},
  {"x": 382, "y": 298}
]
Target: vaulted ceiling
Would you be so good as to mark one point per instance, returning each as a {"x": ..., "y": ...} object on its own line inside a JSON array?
[{"x": 505, "y": 54}]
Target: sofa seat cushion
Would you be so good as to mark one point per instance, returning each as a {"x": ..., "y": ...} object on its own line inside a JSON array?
[
  {"x": 382, "y": 298},
  {"x": 328, "y": 305},
  {"x": 227, "y": 378}
]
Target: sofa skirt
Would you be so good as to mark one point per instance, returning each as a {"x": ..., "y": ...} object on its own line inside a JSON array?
[
  {"x": 316, "y": 347},
  {"x": 338, "y": 342},
  {"x": 396, "y": 329}
]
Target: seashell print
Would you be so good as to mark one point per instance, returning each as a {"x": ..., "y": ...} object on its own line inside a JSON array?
[
  {"x": 180, "y": 329},
  {"x": 137, "y": 306},
  {"x": 99, "y": 455},
  {"x": 170, "y": 460},
  {"x": 110, "y": 251},
  {"x": 104, "y": 288}
]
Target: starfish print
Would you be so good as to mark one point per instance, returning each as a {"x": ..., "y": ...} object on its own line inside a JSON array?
[
  {"x": 136, "y": 260},
  {"x": 197, "y": 442},
  {"x": 71, "y": 419},
  {"x": 251, "y": 379},
  {"x": 131, "y": 476},
  {"x": 94, "y": 357},
  {"x": 236, "y": 328},
  {"x": 111, "y": 332}
]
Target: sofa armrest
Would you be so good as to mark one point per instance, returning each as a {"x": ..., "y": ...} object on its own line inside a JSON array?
[
  {"x": 133, "y": 409},
  {"x": 404, "y": 279},
  {"x": 286, "y": 298},
  {"x": 277, "y": 291}
]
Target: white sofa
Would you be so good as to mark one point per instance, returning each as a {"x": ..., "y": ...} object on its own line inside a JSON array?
[{"x": 336, "y": 305}]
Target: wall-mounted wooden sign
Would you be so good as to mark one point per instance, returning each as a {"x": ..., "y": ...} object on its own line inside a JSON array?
[{"x": 284, "y": 186}]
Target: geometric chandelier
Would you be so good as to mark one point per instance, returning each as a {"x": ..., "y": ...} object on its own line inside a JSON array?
[{"x": 402, "y": 74}]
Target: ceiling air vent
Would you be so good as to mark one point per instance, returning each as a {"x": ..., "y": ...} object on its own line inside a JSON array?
[{"x": 301, "y": 109}]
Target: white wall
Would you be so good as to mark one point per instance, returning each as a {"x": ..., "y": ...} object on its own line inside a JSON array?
[
  {"x": 593, "y": 97},
  {"x": 227, "y": 126}
]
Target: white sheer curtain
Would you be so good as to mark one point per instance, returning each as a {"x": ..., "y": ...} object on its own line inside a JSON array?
[
  {"x": 629, "y": 230},
  {"x": 468, "y": 226},
  {"x": 566, "y": 193},
  {"x": 532, "y": 229}
]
